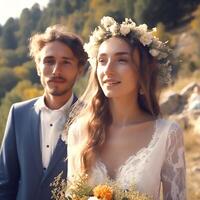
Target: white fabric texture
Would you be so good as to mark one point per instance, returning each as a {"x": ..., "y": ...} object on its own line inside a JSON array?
[
  {"x": 52, "y": 123},
  {"x": 161, "y": 162}
]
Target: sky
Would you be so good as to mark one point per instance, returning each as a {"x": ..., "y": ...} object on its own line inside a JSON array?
[{"x": 13, "y": 8}]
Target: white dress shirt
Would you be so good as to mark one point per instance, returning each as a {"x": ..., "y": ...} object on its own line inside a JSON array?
[{"x": 52, "y": 126}]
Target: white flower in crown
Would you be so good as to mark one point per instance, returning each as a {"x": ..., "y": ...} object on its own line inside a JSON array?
[
  {"x": 154, "y": 30},
  {"x": 130, "y": 21},
  {"x": 90, "y": 49},
  {"x": 87, "y": 47},
  {"x": 146, "y": 39},
  {"x": 92, "y": 61},
  {"x": 154, "y": 52},
  {"x": 107, "y": 22},
  {"x": 142, "y": 29},
  {"x": 114, "y": 29},
  {"x": 99, "y": 33},
  {"x": 93, "y": 40},
  {"x": 125, "y": 29}
]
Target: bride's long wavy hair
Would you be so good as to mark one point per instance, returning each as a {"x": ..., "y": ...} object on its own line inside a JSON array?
[{"x": 93, "y": 113}]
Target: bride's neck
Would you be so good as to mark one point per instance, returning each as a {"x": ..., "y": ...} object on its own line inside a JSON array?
[{"x": 125, "y": 111}]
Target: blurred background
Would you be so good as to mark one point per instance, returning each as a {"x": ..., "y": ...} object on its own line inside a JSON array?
[{"x": 177, "y": 21}]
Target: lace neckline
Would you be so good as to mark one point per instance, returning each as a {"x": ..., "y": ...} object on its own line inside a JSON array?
[{"x": 143, "y": 152}]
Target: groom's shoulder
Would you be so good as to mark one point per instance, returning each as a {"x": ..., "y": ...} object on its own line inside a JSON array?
[{"x": 25, "y": 104}]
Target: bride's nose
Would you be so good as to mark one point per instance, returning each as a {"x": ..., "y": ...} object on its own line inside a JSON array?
[{"x": 109, "y": 67}]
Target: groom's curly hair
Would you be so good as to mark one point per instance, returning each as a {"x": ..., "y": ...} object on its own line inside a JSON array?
[
  {"x": 95, "y": 117},
  {"x": 59, "y": 33}
]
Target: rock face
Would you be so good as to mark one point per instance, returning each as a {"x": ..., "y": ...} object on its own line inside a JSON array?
[
  {"x": 176, "y": 106},
  {"x": 187, "y": 90},
  {"x": 172, "y": 104}
]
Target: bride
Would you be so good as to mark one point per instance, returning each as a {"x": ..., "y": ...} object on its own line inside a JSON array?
[{"x": 118, "y": 132}]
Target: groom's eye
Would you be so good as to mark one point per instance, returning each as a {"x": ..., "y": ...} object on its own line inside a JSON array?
[{"x": 49, "y": 61}]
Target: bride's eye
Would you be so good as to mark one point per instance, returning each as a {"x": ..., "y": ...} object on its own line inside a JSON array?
[
  {"x": 101, "y": 61},
  {"x": 122, "y": 60}
]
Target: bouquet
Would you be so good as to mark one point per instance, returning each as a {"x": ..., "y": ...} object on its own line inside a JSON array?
[{"x": 79, "y": 189}]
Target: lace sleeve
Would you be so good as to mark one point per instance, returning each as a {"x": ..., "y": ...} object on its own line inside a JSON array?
[{"x": 173, "y": 170}]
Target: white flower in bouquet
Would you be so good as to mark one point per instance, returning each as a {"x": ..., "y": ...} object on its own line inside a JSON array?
[{"x": 93, "y": 198}]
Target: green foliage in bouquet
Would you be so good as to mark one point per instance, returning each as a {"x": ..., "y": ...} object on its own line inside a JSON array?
[{"x": 79, "y": 189}]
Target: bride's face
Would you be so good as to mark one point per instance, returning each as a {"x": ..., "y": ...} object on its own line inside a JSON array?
[{"x": 117, "y": 66}]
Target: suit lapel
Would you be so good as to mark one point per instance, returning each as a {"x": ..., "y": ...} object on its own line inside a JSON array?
[
  {"x": 59, "y": 153},
  {"x": 74, "y": 99},
  {"x": 35, "y": 130}
]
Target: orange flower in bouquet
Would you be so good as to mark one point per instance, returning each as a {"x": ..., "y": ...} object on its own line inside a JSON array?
[{"x": 104, "y": 192}]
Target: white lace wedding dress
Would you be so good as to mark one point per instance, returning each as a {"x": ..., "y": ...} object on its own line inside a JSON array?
[{"x": 161, "y": 162}]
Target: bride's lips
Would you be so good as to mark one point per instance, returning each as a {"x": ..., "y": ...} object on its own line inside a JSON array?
[{"x": 111, "y": 82}]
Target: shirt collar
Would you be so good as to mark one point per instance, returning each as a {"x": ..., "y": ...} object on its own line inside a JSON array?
[{"x": 40, "y": 104}]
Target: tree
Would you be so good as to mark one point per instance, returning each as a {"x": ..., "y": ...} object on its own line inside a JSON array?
[
  {"x": 24, "y": 90},
  {"x": 7, "y": 80},
  {"x": 1, "y": 30},
  {"x": 36, "y": 14},
  {"x": 11, "y": 58},
  {"x": 171, "y": 13},
  {"x": 8, "y": 38},
  {"x": 26, "y": 25}
]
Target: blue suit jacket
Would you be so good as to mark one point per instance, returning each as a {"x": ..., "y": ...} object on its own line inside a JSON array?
[{"x": 21, "y": 172}]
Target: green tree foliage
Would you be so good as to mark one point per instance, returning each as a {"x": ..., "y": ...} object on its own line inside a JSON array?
[
  {"x": 27, "y": 71},
  {"x": 31, "y": 72},
  {"x": 8, "y": 38},
  {"x": 96, "y": 9},
  {"x": 7, "y": 80},
  {"x": 24, "y": 90},
  {"x": 11, "y": 58},
  {"x": 195, "y": 23},
  {"x": 36, "y": 14},
  {"x": 1, "y": 30},
  {"x": 26, "y": 25},
  {"x": 171, "y": 12},
  {"x": 28, "y": 21}
]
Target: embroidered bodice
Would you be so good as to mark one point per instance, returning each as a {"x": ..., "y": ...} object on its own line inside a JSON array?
[{"x": 161, "y": 162}]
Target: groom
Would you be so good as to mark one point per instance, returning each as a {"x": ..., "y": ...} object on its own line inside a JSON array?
[{"x": 32, "y": 152}]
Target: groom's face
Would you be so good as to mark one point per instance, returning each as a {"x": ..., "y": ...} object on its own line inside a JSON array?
[{"x": 58, "y": 69}]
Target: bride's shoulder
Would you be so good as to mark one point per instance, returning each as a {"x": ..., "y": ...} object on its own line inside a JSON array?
[{"x": 170, "y": 126}]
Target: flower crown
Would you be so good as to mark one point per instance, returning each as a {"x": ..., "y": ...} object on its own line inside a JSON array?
[{"x": 109, "y": 28}]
